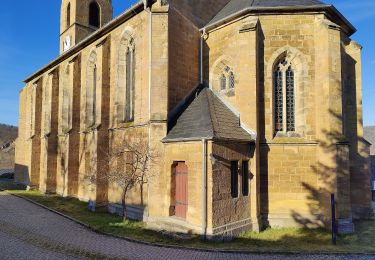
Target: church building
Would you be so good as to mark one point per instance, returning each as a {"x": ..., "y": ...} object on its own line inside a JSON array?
[{"x": 254, "y": 108}]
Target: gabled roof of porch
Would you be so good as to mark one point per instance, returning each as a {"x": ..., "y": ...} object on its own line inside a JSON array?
[{"x": 207, "y": 117}]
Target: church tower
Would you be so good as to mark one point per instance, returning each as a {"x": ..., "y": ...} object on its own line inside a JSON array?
[{"x": 80, "y": 18}]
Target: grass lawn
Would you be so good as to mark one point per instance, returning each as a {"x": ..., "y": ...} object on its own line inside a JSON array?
[{"x": 280, "y": 240}]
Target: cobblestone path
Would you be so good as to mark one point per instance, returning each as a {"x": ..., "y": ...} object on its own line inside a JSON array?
[{"x": 28, "y": 232}]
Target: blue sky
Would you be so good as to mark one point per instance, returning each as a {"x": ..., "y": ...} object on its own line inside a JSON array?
[{"x": 29, "y": 39}]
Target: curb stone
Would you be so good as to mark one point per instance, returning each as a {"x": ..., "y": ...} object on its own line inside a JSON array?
[{"x": 247, "y": 252}]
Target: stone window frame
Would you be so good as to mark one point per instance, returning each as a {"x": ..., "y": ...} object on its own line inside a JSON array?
[
  {"x": 234, "y": 179},
  {"x": 91, "y": 95},
  {"x": 66, "y": 101},
  {"x": 127, "y": 47},
  {"x": 223, "y": 68},
  {"x": 32, "y": 97},
  {"x": 282, "y": 71},
  {"x": 47, "y": 104},
  {"x": 98, "y": 20},
  {"x": 68, "y": 15},
  {"x": 298, "y": 62},
  {"x": 245, "y": 178}
]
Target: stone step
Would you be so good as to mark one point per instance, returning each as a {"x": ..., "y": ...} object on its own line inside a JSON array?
[{"x": 172, "y": 225}]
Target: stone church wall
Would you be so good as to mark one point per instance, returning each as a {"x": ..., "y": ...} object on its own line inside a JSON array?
[
  {"x": 293, "y": 173},
  {"x": 231, "y": 215},
  {"x": 184, "y": 42}
]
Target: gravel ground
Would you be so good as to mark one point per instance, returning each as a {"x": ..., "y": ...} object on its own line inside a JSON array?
[{"x": 28, "y": 231}]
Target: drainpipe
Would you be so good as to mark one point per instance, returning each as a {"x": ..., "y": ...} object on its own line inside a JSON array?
[
  {"x": 204, "y": 188},
  {"x": 201, "y": 56},
  {"x": 149, "y": 99}
]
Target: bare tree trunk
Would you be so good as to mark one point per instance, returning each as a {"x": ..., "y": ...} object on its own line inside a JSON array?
[
  {"x": 142, "y": 192},
  {"x": 124, "y": 210}
]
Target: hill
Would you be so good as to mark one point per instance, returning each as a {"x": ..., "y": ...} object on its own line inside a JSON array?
[
  {"x": 370, "y": 136},
  {"x": 8, "y": 135}
]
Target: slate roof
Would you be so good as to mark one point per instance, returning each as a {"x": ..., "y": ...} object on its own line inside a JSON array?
[
  {"x": 235, "y": 6},
  {"x": 207, "y": 117}
]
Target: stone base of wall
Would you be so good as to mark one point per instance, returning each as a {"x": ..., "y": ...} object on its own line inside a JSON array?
[
  {"x": 345, "y": 226},
  {"x": 134, "y": 213},
  {"x": 172, "y": 224},
  {"x": 231, "y": 230},
  {"x": 225, "y": 232}
]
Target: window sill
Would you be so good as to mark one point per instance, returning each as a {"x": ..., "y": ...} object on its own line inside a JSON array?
[
  {"x": 92, "y": 128},
  {"x": 228, "y": 92},
  {"x": 121, "y": 125},
  {"x": 285, "y": 139}
]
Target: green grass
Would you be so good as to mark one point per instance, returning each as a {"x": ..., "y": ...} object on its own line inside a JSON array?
[{"x": 284, "y": 239}]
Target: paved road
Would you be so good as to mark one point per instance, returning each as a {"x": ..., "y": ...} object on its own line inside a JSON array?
[{"x": 28, "y": 232}]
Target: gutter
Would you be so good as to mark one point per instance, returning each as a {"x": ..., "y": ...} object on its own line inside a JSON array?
[
  {"x": 350, "y": 29},
  {"x": 132, "y": 11}
]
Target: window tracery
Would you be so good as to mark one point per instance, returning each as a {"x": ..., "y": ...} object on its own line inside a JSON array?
[{"x": 284, "y": 97}]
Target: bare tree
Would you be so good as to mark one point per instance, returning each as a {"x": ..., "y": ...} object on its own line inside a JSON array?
[{"x": 129, "y": 164}]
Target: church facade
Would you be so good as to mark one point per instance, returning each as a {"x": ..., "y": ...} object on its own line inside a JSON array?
[{"x": 254, "y": 108}]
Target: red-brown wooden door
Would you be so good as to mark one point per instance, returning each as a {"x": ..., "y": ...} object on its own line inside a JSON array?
[{"x": 181, "y": 189}]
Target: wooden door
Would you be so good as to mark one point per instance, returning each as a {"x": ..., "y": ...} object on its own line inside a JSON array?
[{"x": 181, "y": 189}]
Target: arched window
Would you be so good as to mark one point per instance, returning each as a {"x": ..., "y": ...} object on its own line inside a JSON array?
[
  {"x": 125, "y": 87},
  {"x": 91, "y": 91},
  {"x": 94, "y": 83},
  {"x": 284, "y": 97},
  {"x": 223, "y": 82},
  {"x": 68, "y": 16},
  {"x": 278, "y": 79},
  {"x": 66, "y": 102},
  {"x": 94, "y": 14},
  {"x": 290, "y": 105},
  {"x": 227, "y": 79},
  {"x": 130, "y": 83},
  {"x": 47, "y": 104},
  {"x": 32, "y": 108},
  {"x": 231, "y": 80}
]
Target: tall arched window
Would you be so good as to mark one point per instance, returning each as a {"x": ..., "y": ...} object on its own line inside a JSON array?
[
  {"x": 32, "y": 108},
  {"x": 94, "y": 14},
  {"x": 290, "y": 100},
  {"x": 130, "y": 84},
  {"x": 91, "y": 91},
  {"x": 231, "y": 80},
  {"x": 94, "y": 83},
  {"x": 68, "y": 16},
  {"x": 125, "y": 87},
  {"x": 47, "y": 103},
  {"x": 66, "y": 105},
  {"x": 223, "y": 82},
  {"x": 284, "y": 97}
]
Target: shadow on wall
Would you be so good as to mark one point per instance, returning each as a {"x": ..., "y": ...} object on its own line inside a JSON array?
[
  {"x": 340, "y": 169},
  {"x": 21, "y": 174},
  {"x": 372, "y": 158}
]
